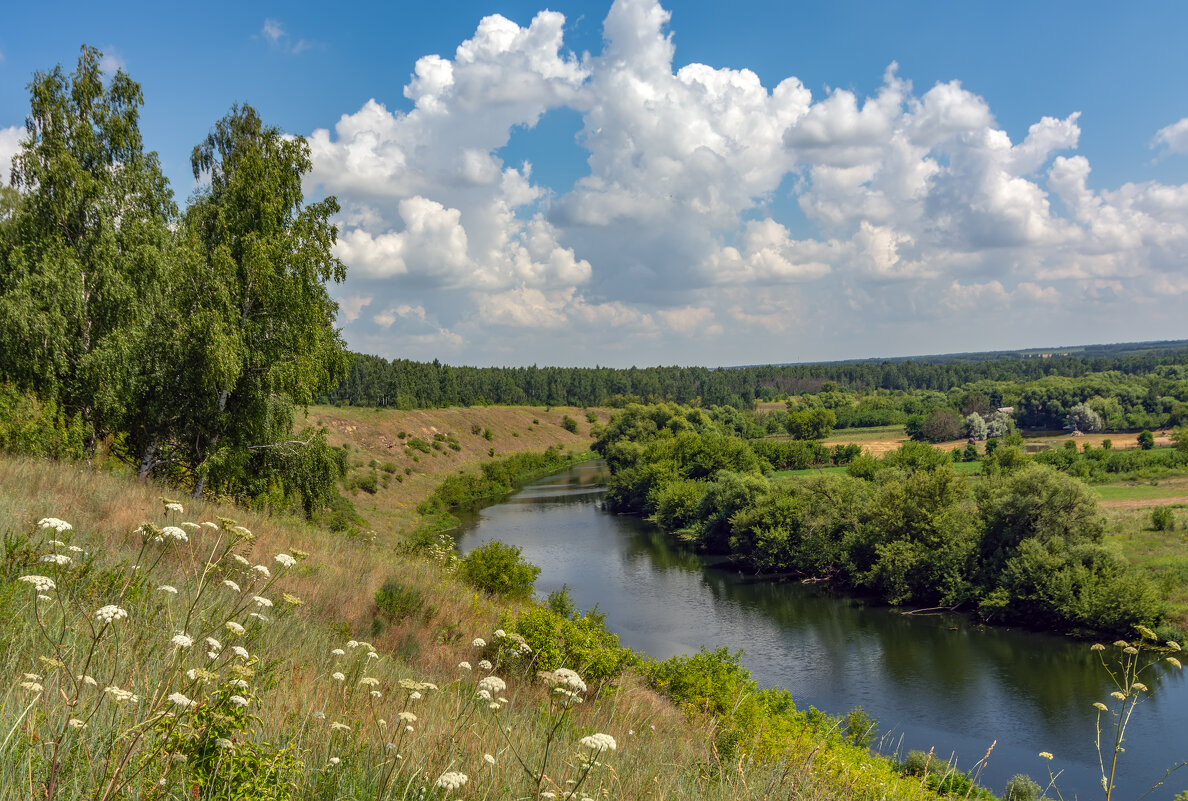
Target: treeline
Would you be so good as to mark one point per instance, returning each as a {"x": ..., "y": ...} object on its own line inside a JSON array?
[
  {"x": 405, "y": 384},
  {"x": 177, "y": 341},
  {"x": 1021, "y": 544}
]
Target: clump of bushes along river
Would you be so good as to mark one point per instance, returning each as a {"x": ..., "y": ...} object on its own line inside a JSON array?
[{"x": 1021, "y": 544}]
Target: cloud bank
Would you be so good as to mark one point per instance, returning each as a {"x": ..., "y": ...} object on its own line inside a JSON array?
[{"x": 722, "y": 221}]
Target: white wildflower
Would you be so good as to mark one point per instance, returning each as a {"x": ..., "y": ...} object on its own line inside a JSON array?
[
  {"x": 262, "y": 602},
  {"x": 188, "y": 526},
  {"x": 88, "y": 680},
  {"x": 335, "y": 761},
  {"x": 167, "y": 588},
  {"x": 338, "y": 676},
  {"x": 414, "y": 696},
  {"x": 490, "y": 760},
  {"x": 352, "y": 644},
  {"x": 40, "y": 583},
  {"x": 284, "y": 560},
  {"x": 174, "y": 506},
  {"x": 338, "y": 652},
  {"x": 54, "y": 523},
  {"x": 180, "y": 700},
  {"x": 210, "y": 525},
  {"x": 262, "y": 570},
  {"x": 32, "y": 686},
  {"x": 240, "y": 651},
  {"x": 376, "y": 694},
  {"x": 76, "y": 549},
  {"x": 407, "y": 717},
  {"x": 231, "y": 584},
  {"x": 75, "y": 723},
  {"x": 484, "y": 695},
  {"x": 500, "y": 633},
  {"x": 243, "y": 532},
  {"x": 120, "y": 696},
  {"x": 240, "y": 559},
  {"x": 234, "y": 627},
  {"x": 564, "y": 678},
  {"x": 258, "y": 616},
  {"x": 240, "y": 683},
  {"x": 182, "y": 640},
  {"x": 485, "y": 665},
  {"x": 213, "y": 644},
  {"x": 175, "y": 533},
  {"x": 372, "y": 655},
  {"x": 492, "y": 684},
  {"x": 224, "y": 743},
  {"x": 598, "y": 743},
  {"x": 464, "y": 666},
  {"x": 238, "y": 700},
  {"x": 319, "y": 715},
  {"x": 479, "y": 642},
  {"x": 110, "y": 613},
  {"x": 451, "y": 780},
  {"x": 59, "y": 559},
  {"x": 369, "y": 681},
  {"x": 336, "y": 726}
]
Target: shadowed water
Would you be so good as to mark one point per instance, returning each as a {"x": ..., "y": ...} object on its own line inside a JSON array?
[{"x": 931, "y": 681}]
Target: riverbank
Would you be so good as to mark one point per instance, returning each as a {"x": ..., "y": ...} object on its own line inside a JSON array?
[{"x": 318, "y": 715}]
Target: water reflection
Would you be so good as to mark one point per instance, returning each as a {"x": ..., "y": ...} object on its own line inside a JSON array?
[{"x": 938, "y": 681}]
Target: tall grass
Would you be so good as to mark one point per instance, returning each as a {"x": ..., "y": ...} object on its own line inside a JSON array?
[{"x": 312, "y": 693}]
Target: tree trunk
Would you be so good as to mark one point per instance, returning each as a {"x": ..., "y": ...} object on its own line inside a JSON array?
[{"x": 147, "y": 463}]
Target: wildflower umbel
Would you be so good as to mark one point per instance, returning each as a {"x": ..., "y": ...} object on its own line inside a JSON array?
[
  {"x": 57, "y": 525},
  {"x": 451, "y": 780},
  {"x": 110, "y": 613},
  {"x": 40, "y": 583},
  {"x": 599, "y": 742}
]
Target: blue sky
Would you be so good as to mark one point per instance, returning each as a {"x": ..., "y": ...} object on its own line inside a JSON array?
[{"x": 679, "y": 208}]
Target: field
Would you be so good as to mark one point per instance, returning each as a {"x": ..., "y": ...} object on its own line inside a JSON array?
[{"x": 883, "y": 439}]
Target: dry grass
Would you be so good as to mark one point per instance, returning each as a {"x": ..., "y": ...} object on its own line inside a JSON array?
[{"x": 375, "y": 435}]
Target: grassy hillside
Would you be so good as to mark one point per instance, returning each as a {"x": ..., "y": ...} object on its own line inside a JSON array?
[
  {"x": 315, "y": 692},
  {"x": 375, "y": 436}
]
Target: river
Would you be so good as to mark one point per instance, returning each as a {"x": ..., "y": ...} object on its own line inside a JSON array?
[{"x": 938, "y": 682}]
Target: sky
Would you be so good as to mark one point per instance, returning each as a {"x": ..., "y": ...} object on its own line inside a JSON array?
[{"x": 693, "y": 182}]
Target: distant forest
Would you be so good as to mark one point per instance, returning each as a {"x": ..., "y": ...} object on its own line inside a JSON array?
[{"x": 404, "y": 384}]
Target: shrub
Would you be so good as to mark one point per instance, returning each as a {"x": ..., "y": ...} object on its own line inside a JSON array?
[
  {"x": 591, "y": 417},
  {"x": 397, "y": 602},
  {"x": 1163, "y": 519},
  {"x": 368, "y": 482},
  {"x": 1021, "y": 788},
  {"x": 418, "y": 444},
  {"x": 499, "y": 569},
  {"x": 569, "y": 424},
  {"x": 388, "y": 467},
  {"x": 476, "y": 429},
  {"x": 487, "y": 435},
  {"x": 561, "y": 636},
  {"x": 1146, "y": 440}
]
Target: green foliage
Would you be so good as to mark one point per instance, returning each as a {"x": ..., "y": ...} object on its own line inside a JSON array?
[
  {"x": 860, "y": 727},
  {"x": 562, "y": 636},
  {"x": 591, "y": 417},
  {"x": 569, "y": 424},
  {"x": 417, "y": 444},
  {"x": 1146, "y": 441},
  {"x": 940, "y": 425},
  {"x": 397, "y": 601},
  {"x": 1163, "y": 519},
  {"x": 39, "y": 428},
  {"x": 1020, "y": 787},
  {"x": 811, "y": 423},
  {"x": 499, "y": 569}
]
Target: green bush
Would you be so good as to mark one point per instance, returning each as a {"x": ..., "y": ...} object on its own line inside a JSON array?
[
  {"x": 569, "y": 424},
  {"x": 418, "y": 444},
  {"x": 1021, "y": 788},
  {"x": 368, "y": 482},
  {"x": 499, "y": 569},
  {"x": 397, "y": 602},
  {"x": 591, "y": 417},
  {"x": 561, "y": 636},
  {"x": 1163, "y": 519}
]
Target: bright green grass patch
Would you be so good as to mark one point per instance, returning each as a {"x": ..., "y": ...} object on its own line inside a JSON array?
[
  {"x": 1163, "y": 555},
  {"x": 1137, "y": 492}
]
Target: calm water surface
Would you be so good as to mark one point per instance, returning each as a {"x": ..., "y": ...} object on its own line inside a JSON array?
[{"x": 931, "y": 681}]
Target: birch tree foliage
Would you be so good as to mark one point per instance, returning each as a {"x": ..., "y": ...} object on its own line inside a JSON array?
[
  {"x": 252, "y": 326},
  {"x": 83, "y": 249}
]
